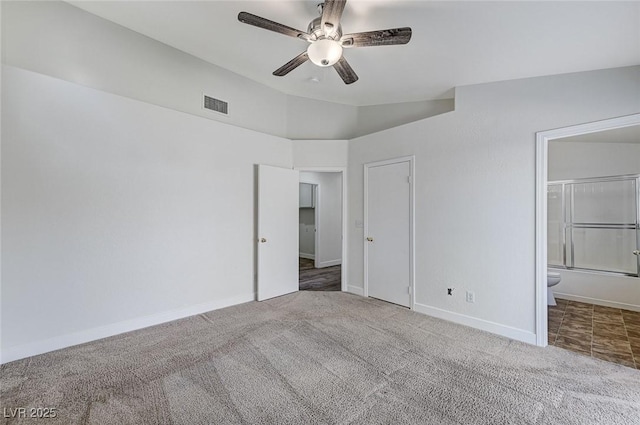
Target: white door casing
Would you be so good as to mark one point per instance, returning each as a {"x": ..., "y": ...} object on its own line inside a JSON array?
[
  {"x": 277, "y": 231},
  {"x": 542, "y": 148},
  {"x": 389, "y": 223}
]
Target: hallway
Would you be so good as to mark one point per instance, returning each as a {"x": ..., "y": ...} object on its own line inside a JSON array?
[{"x": 324, "y": 279}]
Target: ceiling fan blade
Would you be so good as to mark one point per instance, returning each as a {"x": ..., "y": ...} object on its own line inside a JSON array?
[
  {"x": 291, "y": 65},
  {"x": 257, "y": 21},
  {"x": 345, "y": 71},
  {"x": 377, "y": 38},
  {"x": 332, "y": 12}
]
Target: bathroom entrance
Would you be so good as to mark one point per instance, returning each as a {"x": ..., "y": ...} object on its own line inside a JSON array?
[{"x": 588, "y": 239}]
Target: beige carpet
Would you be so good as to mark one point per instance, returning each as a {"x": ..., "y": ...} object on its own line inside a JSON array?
[{"x": 319, "y": 357}]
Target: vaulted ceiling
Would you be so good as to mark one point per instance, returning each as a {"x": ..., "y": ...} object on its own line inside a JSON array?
[{"x": 453, "y": 43}]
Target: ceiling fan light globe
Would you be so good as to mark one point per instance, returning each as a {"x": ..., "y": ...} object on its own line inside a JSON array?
[{"x": 324, "y": 52}]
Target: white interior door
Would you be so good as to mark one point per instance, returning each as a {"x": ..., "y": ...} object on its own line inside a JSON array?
[
  {"x": 277, "y": 231},
  {"x": 388, "y": 231}
]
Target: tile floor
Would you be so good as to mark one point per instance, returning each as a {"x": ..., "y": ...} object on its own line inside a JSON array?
[{"x": 606, "y": 333}]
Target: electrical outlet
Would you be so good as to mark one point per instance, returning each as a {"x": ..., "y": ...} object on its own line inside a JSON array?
[{"x": 471, "y": 297}]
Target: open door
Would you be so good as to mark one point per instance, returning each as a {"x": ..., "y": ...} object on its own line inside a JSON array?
[{"x": 277, "y": 231}]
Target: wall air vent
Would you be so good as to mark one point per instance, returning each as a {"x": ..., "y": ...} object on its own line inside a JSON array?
[{"x": 216, "y": 105}]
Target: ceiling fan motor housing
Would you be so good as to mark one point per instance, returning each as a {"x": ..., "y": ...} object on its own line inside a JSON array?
[{"x": 318, "y": 33}]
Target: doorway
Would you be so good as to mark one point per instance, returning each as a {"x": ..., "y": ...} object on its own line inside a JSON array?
[
  {"x": 321, "y": 226},
  {"x": 389, "y": 227},
  {"x": 542, "y": 169}
]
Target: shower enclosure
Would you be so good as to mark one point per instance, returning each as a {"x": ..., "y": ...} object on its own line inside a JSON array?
[{"x": 594, "y": 224}]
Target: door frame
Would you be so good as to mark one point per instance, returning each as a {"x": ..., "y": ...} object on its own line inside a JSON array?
[
  {"x": 412, "y": 248},
  {"x": 343, "y": 172},
  {"x": 542, "y": 162},
  {"x": 315, "y": 196}
]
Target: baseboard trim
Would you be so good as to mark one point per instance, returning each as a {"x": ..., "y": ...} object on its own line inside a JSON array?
[
  {"x": 307, "y": 256},
  {"x": 597, "y": 301},
  {"x": 355, "y": 290},
  {"x": 474, "y": 322},
  {"x": 329, "y": 263},
  {"x": 63, "y": 341}
]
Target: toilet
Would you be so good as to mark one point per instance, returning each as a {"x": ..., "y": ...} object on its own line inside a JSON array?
[{"x": 552, "y": 280}]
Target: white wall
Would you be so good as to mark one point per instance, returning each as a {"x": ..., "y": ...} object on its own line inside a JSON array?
[
  {"x": 571, "y": 160},
  {"x": 119, "y": 214},
  {"x": 475, "y": 190},
  {"x": 374, "y": 118},
  {"x": 309, "y": 119},
  {"x": 320, "y": 153},
  {"x": 329, "y": 225},
  {"x": 57, "y": 39},
  {"x": 315, "y": 119}
]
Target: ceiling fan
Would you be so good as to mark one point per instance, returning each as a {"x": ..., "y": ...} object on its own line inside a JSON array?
[{"x": 326, "y": 41}]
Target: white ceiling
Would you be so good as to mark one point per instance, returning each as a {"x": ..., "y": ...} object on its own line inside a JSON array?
[{"x": 453, "y": 43}]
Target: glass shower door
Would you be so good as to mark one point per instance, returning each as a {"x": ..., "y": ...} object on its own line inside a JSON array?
[
  {"x": 594, "y": 224},
  {"x": 603, "y": 225}
]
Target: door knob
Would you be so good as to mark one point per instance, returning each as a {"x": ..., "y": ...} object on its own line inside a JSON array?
[
  {"x": 370, "y": 239},
  {"x": 636, "y": 252},
  {"x": 262, "y": 240}
]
